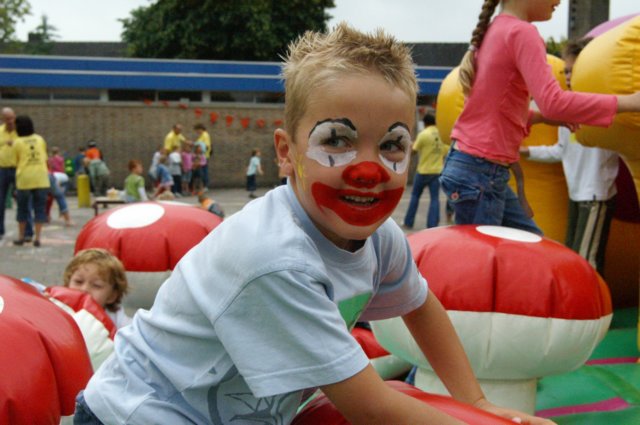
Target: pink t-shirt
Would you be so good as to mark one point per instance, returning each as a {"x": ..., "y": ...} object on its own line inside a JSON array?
[
  {"x": 187, "y": 161},
  {"x": 511, "y": 66},
  {"x": 56, "y": 163}
]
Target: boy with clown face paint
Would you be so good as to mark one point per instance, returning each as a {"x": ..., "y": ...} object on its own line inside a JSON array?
[{"x": 257, "y": 316}]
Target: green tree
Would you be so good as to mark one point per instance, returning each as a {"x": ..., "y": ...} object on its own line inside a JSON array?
[
  {"x": 41, "y": 40},
  {"x": 11, "y": 12},
  {"x": 221, "y": 29},
  {"x": 555, "y": 47}
]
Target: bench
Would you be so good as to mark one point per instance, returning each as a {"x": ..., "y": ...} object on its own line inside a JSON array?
[{"x": 105, "y": 202}]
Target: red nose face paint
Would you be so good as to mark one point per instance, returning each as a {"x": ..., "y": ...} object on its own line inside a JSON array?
[{"x": 365, "y": 174}]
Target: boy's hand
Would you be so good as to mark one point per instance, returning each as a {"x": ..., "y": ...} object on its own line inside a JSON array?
[{"x": 513, "y": 415}]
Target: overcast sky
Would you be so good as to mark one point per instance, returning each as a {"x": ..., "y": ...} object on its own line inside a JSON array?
[{"x": 408, "y": 20}]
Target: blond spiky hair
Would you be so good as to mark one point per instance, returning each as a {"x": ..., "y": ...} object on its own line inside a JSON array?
[{"x": 315, "y": 59}]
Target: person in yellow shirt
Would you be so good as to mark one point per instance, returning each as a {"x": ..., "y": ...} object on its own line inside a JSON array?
[
  {"x": 174, "y": 138},
  {"x": 205, "y": 142},
  {"x": 431, "y": 151},
  {"x": 7, "y": 160},
  {"x": 32, "y": 177}
]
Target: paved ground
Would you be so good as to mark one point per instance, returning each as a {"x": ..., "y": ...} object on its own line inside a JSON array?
[{"x": 47, "y": 263}]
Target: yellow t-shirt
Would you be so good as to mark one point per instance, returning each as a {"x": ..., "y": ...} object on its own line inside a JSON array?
[
  {"x": 7, "y": 152},
  {"x": 173, "y": 140},
  {"x": 431, "y": 150},
  {"x": 31, "y": 172},
  {"x": 206, "y": 139}
]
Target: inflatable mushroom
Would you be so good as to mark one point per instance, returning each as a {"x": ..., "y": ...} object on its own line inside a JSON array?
[
  {"x": 149, "y": 238},
  {"x": 523, "y": 306},
  {"x": 43, "y": 359}
]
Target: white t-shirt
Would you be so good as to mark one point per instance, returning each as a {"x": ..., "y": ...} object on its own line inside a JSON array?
[
  {"x": 251, "y": 317},
  {"x": 590, "y": 172}
]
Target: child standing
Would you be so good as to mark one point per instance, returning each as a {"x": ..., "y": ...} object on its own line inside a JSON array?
[
  {"x": 187, "y": 166},
  {"x": 165, "y": 181},
  {"x": 175, "y": 168},
  {"x": 505, "y": 66},
  {"x": 196, "y": 169},
  {"x": 258, "y": 314},
  {"x": 100, "y": 274},
  {"x": 254, "y": 168},
  {"x": 134, "y": 190}
]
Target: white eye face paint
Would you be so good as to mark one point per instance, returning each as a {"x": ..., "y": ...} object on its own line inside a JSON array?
[
  {"x": 395, "y": 148},
  {"x": 331, "y": 142}
]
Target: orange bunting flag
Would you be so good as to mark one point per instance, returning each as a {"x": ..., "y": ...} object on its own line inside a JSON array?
[
  {"x": 147, "y": 101},
  {"x": 198, "y": 112},
  {"x": 278, "y": 123},
  {"x": 213, "y": 117},
  {"x": 260, "y": 123},
  {"x": 245, "y": 122},
  {"x": 229, "y": 119},
  {"x": 182, "y": 106}
]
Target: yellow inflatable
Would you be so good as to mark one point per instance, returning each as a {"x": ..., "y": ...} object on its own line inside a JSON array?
[
  {"x": 545, "y": 185},
  {"x": 611, "y": 64}
]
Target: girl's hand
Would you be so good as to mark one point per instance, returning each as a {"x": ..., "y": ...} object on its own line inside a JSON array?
[{"x": 513, "y": 415}]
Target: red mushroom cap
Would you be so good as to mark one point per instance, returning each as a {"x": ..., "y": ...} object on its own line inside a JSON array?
[
  {"x": 488, "y": 269},
  {"x": 148, "y": 236}
]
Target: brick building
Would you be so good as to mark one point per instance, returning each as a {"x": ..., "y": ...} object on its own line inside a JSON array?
[{"x": 128, "y": 105}]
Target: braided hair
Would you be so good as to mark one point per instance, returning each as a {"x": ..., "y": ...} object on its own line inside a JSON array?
[{"x": 468, "y": 63}]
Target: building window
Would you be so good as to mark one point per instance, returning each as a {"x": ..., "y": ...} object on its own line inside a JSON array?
[
  {"x": 181, "y": 96},
  {"x": 24, "y": 93},
  {"x": 131, "y": 95},
  {"x": 75, "y": 94}
]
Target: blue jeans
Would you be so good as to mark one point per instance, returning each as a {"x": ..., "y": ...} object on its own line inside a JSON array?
[
  {"x": 32, "y": 200},
  {"x": 8, "y": 181},
  {"x": 58, "y": 195},
  {"x": 419, "y": 183},
  {"x": 83, "y": 414},
  {"x": 205, "y": 174},
  {"x": 479, "y": 193}
]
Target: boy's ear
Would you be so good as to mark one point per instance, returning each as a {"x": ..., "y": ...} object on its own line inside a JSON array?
[{"x": 284, "y": 150}]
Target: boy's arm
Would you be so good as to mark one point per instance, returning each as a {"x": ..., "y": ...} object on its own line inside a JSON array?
[
  {"x": 434, "y": 333},
  {"x": 366, "y": 399}
]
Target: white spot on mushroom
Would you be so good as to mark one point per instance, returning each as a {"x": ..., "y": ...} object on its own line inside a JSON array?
[
  {"x": 135, "y": 216},
  {"x": 509, "y": 233},
  {"x": 1, "y": 304}
]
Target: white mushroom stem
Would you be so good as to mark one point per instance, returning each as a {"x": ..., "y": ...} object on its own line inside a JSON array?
[{"x": 508, "y": 352}]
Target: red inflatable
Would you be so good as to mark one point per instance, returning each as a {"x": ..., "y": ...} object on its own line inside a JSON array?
[
  {"x": 320, "y": 411},
  {"x": 148, "y": 236},
  {"x": 78, "y": 301},
  {"x": 43, "y": 358}
]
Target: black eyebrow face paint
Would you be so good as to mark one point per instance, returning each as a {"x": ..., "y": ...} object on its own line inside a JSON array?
[{"x": 344, "y": 121}]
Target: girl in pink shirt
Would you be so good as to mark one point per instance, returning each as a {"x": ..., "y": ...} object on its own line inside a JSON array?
[{"x": 505, "y": 66}]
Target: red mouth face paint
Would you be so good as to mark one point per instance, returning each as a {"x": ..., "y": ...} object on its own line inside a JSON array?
[{"x": 355, "y": 207}]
